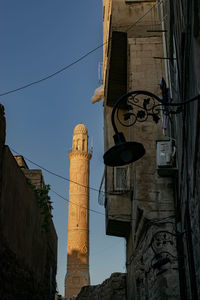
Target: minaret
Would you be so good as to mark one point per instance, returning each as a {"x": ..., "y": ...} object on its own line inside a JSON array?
[{"x": 78, "y": 214}]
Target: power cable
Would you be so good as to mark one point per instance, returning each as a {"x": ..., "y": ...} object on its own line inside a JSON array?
[
  {"x": 52, "y": 173},
  {"x": 67, "y": 200},
  {"x": 95, "y": 211},
  {"x": 59, "y": 176},
  {"x": 53, "y": 74},
  {"x": 153, "y": 222},
  {"x": 129, "y": 28},
  {"x": 71, "y": 64},
  {"x": 77, "y": 183},
  {"x": 55, "y": 174}
]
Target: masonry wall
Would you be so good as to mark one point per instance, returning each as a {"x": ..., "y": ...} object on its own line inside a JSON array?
[
  {"x": 28, "y": 254},
  {"x": 153, "y": 200},
  {"x": 152, "y": 212},
  {"x": 183, "y": 28}
]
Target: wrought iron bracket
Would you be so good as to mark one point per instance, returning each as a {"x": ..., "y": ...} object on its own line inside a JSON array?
[{"x": 140, "y": 105}]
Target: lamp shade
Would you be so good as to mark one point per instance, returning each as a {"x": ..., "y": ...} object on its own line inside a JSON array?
[{"x": 123, "y": 152}]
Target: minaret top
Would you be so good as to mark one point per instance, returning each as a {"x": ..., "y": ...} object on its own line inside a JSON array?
[
  {"x": 80, "y": 142},
  {"x": 80, "y": 128}
]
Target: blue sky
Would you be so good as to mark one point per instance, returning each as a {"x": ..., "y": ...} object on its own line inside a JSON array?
[{"x": 38, "y": 38}]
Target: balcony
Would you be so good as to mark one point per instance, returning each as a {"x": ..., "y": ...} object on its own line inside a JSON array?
[
  {"x": 118, "y": 197},
  {"x": 118, "y": 214}
]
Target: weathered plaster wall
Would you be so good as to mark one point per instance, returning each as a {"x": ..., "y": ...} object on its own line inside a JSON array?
[{"x": 27, "y": 254}]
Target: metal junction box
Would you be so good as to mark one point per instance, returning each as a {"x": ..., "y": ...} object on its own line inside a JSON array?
[{"x": 165, "y": 158}]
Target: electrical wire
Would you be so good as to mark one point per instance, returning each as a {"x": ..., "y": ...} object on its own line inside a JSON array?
[
  {"x": 53, "y": 74},
  {"x": 71, "y": 64},
  {"x": 154, "y": 222},
  {"x": 129, "y": 28},
  {"x": 95, "y": 211},
  {"x": 67, "y": 179},
  {"x": 55, "y": 174},
  {"x": 82, "y": 185},
  {"x": 67, "y": 200},
  {"x": 59, "y": 176}
]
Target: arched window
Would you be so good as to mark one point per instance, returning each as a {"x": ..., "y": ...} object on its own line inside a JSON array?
[{"x": 79, "y": 145}]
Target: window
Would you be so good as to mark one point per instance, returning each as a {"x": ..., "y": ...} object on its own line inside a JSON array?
[{"x": 121, "y": 178}]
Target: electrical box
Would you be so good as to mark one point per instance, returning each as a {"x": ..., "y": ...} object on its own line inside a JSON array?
[
  {"x": 164, "y": 153},
  {"x": 165, "y": 158}
]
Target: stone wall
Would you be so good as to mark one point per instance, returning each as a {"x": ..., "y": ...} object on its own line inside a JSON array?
[
  {"x": 28, "y": 254},
  {"x": 152, "y": 208},
  {"x": 184, "y": 77},
  {"x": 183, "y": 73},
  {"x": 113, "y": 288},
  {"x": 153, "y": 200}
]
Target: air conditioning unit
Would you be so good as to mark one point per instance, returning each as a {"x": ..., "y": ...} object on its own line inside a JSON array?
[{"x": 165, "y": 158}]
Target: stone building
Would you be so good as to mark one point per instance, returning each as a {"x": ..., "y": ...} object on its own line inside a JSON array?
[
  {"x": 139, "y": 202},
  {"x": 28, "y": 254},
  {"x": 182, "y": 40},
  {"x": 78, "y": 214}
]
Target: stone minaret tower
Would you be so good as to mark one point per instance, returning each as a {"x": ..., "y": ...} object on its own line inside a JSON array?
[{"x": 78, "y": 216}]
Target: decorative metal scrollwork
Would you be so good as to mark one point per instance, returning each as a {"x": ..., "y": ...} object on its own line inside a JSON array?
[
  {"x": 163, "y": 241},
  {"x": 141, "y": 105},
  {"x": 163, "y": 244}
]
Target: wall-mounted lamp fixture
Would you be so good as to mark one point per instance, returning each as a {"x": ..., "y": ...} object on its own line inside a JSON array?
[
  {"x": 123, "y": 152},
  {"x": 140, "y": 105}
]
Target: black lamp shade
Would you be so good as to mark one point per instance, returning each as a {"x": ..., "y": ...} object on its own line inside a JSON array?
[{"x": 123, "y": 152}]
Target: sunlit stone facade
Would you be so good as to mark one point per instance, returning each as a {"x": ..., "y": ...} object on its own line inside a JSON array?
[{"x": 78, "y": 214}]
